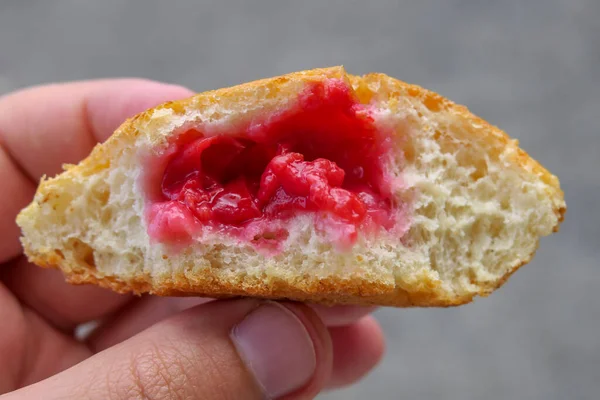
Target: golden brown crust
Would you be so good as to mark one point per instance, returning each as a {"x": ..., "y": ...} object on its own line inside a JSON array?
[
  {"x": 328, "y": 291},
  {"x": 331, "y": 290}
]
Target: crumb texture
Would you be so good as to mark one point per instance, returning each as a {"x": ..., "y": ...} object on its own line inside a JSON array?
[{"x": 477, "y": 207}]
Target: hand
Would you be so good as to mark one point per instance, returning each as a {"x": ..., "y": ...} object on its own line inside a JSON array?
[{"x": 148, "y": 347}]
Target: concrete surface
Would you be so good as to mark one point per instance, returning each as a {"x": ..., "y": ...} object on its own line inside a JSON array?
[{"x": 531, "y": 67}]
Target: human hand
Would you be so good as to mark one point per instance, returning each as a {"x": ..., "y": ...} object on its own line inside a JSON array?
[{"x": 148, "y": 347}]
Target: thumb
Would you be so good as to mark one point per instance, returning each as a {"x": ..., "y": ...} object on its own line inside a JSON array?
[{"x": 247, "y": 348}]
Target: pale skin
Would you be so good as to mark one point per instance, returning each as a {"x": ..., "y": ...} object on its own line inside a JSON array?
[{"x": 148, "y": 347}]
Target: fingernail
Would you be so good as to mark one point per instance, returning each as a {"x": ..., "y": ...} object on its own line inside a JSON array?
[{"x": 276, "y": 348}]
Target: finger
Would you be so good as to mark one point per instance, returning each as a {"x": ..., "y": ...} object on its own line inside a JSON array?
[
  {"x": 220, "y": 350},
  {"x": 47, "y": 351},
  {"x": 21, "y": 192},
  {"x": 357, "y": 349},
  {"x": 341, "y": 315},
  {"x": 151, "y": 309},
  {"x": 44, "y": 127},
  {"x": 137, "y": 317},
  {"x": 30, "y": 349},
  {"x": 63, "y": 305}
]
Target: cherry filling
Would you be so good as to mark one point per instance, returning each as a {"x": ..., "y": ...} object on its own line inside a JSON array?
[{"x": 322, "y": 157}]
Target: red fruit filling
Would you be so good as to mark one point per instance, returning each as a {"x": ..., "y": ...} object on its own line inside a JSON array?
[{"x": 322, "y": 157}]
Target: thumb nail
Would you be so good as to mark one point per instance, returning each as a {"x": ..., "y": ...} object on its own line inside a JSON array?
[{"x": 276, "y": 348}]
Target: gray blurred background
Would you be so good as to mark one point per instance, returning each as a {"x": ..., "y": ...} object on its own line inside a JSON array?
[{"x": 531, "y": 67}]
